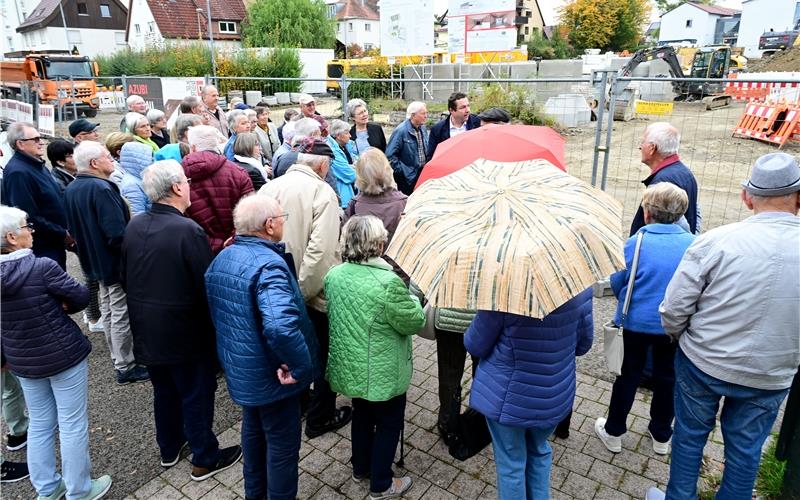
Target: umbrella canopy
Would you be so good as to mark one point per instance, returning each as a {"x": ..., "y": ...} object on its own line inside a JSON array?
[
  {"x": 519, "y": 237},
  {"x": 495, "y": 142}
]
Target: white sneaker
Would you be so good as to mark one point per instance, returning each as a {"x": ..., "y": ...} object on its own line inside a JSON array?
[
  {"x": 97, "y": 326},
  {"x": 85, "y": 318},
  {"x": 613, "y": 443},
  {"x": 658, "y": 447},
  {"x": 654, "y": 493},
  {"x": 399, "y": 486}
]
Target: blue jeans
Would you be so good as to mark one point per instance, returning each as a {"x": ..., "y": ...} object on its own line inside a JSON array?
[
  {"x": 523, "y": 458},
  {"x": 746, "y": 419},
  {"x": 271, "y": 449},
  {"x": 183, "y": 406},
  {"x": 59, "y": 402}
]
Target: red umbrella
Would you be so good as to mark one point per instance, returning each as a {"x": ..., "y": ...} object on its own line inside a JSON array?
[{"x": 502, "y": 143}]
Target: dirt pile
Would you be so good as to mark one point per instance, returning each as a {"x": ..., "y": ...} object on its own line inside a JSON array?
[{"x": 785, "y": 60}]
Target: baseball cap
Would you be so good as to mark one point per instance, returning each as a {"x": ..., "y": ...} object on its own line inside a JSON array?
[{"x": 81, "y": 125}]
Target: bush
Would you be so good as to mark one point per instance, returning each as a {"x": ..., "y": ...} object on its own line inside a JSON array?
[
  {"x": 370, "y": 90},
  {"x": 555, "y": 48},
  {"x": 169, "y": 60},
  {"x": 514, "y": 99},
  {"x": 276, "y": 64}
]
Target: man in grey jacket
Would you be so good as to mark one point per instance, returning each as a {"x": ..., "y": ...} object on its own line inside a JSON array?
[{"x": 732, "y": 306}]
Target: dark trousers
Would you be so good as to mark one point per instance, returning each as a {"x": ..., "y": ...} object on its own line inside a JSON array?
[
  {"x": 183, "y": 404},
  {"x": 271, "y": 449},
  {"x": 450, "y": 356},
  {"x": 662, "y": 407},
  {"x": 375, "y": 432},
  {"x": 93, "y": 309},
  {"x": 323, "y": 401}
]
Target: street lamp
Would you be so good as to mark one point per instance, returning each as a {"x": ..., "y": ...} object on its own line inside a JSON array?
[
  {"x": 199, "y": 28},
  {"x": 211, "y": 41}
]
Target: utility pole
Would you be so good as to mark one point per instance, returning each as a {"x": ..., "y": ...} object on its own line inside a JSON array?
[{"x": 211, "y": 41}]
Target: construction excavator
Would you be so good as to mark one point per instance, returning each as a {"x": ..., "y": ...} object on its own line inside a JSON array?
[{"x": 711, "y": 63}]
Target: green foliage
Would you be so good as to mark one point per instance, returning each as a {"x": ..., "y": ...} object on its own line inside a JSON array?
[
  {"x": 609, "y": 25},
  {"x": 555, "y": 48},
  {"x": 770, "y": 474},
  {"x": 289, "y": 23},
  {"x": 514, "y": 99},
  {"x": 169, "y": 60},
  {"x": 278, "y": 63},
  {"x": 370, "y": 90},
  {"x": 668, "y": 5}
]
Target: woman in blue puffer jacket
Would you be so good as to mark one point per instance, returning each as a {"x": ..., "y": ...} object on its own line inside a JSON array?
[
  {"x": 525, "y": 386},
  {"x": 134, "y": 157}
]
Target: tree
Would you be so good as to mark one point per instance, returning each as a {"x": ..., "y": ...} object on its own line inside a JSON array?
[
  {"x": 554, "y": 48},
  {"x": 608, "y": 25},
  {"x": 289, "y": 23},
  {"x": 668, "y": 5}
]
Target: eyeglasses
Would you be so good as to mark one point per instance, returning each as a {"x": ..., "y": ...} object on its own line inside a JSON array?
[
  {"x": 285, "y": 217},
  {"x": 38, "y": 138},
  {"x": 28, "y": 226}
]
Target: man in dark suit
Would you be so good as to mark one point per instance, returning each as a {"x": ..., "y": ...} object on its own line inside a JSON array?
[{"x": 460, "y": 120}]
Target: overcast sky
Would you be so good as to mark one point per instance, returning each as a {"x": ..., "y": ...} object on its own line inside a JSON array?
[{"x": 550, "y": 7}]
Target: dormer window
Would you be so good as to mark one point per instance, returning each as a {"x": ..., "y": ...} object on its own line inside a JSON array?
[
  {"x": 227, "y": 27},
  {"x": 82, "y": 10}
]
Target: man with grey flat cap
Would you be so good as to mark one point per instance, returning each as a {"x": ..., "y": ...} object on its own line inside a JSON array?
[
  {"x": 732, "y": 307},
  {"x": 494, "y": 115}
]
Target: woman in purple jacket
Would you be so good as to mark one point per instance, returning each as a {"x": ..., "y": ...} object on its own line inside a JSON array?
[
  {"x": 48, "y": 352},
  {"x": 525, "y": 385}
]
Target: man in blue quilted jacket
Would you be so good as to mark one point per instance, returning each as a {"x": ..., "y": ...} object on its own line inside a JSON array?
[{"x": 266, "y": 344}]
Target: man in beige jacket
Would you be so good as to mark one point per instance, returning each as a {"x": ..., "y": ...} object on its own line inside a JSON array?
[
  {"x": 212, "y": 112},
  {"x": 311, "y": 235}
]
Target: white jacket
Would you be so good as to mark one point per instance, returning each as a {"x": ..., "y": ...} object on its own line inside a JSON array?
[
  {"x": 311, "y": 232},
  {"x": 733, "y": 302}
]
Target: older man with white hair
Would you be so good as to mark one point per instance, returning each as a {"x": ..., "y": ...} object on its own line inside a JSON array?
[
  {"x": 211, "y": 110},
  {"x": 217, "y": 184},
  {"x": 407, "y": 147},
  {"x": 265, "y": 342},
  {"x": 98, "y": 215},
  {"x": 136, "y": 104},
  {"x": 659, "y": 148},
  {"x": 312, "y": 237},
  {"x": 732, "y": 307},
  {"x": 294, "y": 132},
  {"x": 164, "y": 258}
]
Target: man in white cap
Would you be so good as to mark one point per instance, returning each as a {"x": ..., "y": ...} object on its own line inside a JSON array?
[
  {"x": 308, "y": 105},
  {"x": 732, "y": 306}
]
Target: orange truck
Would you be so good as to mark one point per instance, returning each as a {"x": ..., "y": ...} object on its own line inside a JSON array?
[{"x": 55, "y": 76}]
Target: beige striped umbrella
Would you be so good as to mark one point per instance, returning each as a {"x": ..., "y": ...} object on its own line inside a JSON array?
[{"x": 519, "y": 237}]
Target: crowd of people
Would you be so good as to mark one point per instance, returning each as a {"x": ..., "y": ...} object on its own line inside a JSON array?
[{"x": 227, "y": 243}]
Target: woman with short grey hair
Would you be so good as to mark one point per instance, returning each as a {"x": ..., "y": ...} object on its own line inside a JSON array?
[
  {"x": 158, "y": 127},
  {"x": 247, "y": 154},
  {"x": 364, "y": 133},
  {"x": 372, "y": 318},
  {"x": 378, "y": 194},
  {"x": 139, "y": 126}
]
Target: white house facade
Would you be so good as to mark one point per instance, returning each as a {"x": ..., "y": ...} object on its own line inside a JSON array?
[
  {"x": 12, "y": 14},
  {"x": 694, "y": 22}
]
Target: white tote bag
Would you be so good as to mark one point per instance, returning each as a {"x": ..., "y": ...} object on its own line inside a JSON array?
[{"x": 612, "y": 333}]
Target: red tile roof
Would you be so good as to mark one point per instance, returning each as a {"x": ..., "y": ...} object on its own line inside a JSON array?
[
  {"x": 713, "y": 9},
  {"x": 178, "y": 18},
  {"x": 356, "y": 9}
]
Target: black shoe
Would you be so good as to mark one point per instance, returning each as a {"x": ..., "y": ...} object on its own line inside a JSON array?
[
  {"x": 15, "y": 443},
  {"x": 442, "y": 428},
  {"x": 227, "y": 459},
  {"x": 169, "y": 462},
  {"x": 135, "y": 374},
  {"x": 11, "y": 472},
  {"x": 341, "y": 417},
  {"x": 562, "y": 433}
]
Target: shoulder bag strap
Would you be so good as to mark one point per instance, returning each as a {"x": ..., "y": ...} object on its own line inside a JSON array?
[{"x": 632, "y": 278}]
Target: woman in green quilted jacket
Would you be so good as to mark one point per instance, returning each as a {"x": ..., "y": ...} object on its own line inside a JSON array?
[{"x": 372, "y": 318}]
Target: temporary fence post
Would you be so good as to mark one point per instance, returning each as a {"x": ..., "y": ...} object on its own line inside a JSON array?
[
  {"x": 601, "y": 106},
  {"x": 124, "y": 79},
  {"x": 343, "y": 84},
  {"x": 72, "y": 97},
  {"x": 607, "y": 150}
]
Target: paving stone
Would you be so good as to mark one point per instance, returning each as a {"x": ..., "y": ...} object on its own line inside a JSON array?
[
  {"x": 418, "y": 377},
  {"x": 488, "y": 473},
  {"x": 425, "y": 419},
  {"x": 576, "y": 441},
  {"x": 178, "y": 474},
  {"x": 231, "y": 476},
  {"x": 423, "y": 364},
  {"x": 411, "y": 410},
  {"x": 606, "y": 493},
  {"x": 592, "y": 409},
  {"x": 353, "y": 490},
  {"x": 639, "y": 425},
  {"x": 657, "y": 471},
  {"x": 589, "y": 392},
  {"x": 431, "y": 384},
  {"x": 715, "y": 451},
  {"x": 238, "y": 488},
  {"x": 196, "y": 489},
  {"x": 305, "y": 447},
  {"x": 559, "y": 495},
  {"x": 605, "y": 473},
  {"x": 307, "y": 485},
  {"x": 418, "y": 462},
  {"x": 641, "y": 409},
  {"x": 466, "y": 487},
  {"x": 579, "y": 486},
  {"x": 472, "y": 466},
  {"x": 631, "y": 440},
  {"x": 327, "y": 441},
  {"x": 635, "y": 485},
  {"x": 595, "y": 448},
  {"x": 603, "y": 384},
  {"x": 576, "y": 421},
  {"x": 441, "y": 474},
  {"x": 576, "y": 462},
  {"x": 336, "y": 474},
  {"x": 341, "y": 451},
  {"x": 230, "y": 437},
  {"x": 557, "y": 476},
  {"x": 429, "y": 401},
  {"x": 436, "y": 493},
  {"x": 167, "y": 493},
  {"x": 315, "y": 462},
  {"x": 489, "y": 493},
  {"x": 558, "y": 450},
  {"x": 413, "y": 393},
  {"x": 150, "y": 488},
  {"x": 631, "y": 461},
  {"x": 422, "y": 439},
  {"x": 221, "y": 492},
  {"x": 326, "y": 493},
  {"x": 584, "y": 378}
]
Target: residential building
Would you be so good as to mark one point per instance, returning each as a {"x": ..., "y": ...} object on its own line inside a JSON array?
[
  {"x": 93, "y": 27},
  {"x": 357, "y": 22},
  {"x": 699, "y": 24},
  {"x": 759, "y": 16},
  {"x": 12, "y": 13},
  {"x": 529, "y": 20},
  {"x": 154, "y": 22}
]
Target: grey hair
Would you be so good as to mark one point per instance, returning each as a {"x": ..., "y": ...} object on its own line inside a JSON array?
[
  {"x": 244, "y": 144},
  {"x": 414, "y": 107},
  {"x": 9, "y": 223},
  {"x": 205, "y": 137},
  {"x": 253, "y": 211},
  {"x": 85, "y": 152},
  {"x": 289, "y": 114},
  {"x": 249, "y": 113},
  {"x": 288, "y": 132},
  {"x": 158, "y": 179},
  {"x": 154, "y": 115},
  {"x": 665, "y": 202},
  {"x": 16, "y": 132},
  {"x": 307, "y": 126},
  {"x": 233, "y": 115},
  {"x": 132, "y": 119},
  {"x": 374, "y": 174},
  {"x": 184, "y": 122},
  {"x": 363, "y": 237},
  {"x": 353, "y": 105},
  {"x": 207, "y": 89},
  {"x": 313, "y": 161},
  {"x": 337, "y": 127},
  {"x": 133, "y": 99},
  {"x": 665, "y": 136}
]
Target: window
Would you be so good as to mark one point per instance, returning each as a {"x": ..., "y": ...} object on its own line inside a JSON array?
[
  {"x": 338, "y": 27},
  {"x": 688, "y": 23},
  {"x": 137, "y": 28},
  {"x": 350, "y": 27},
  {"x": 82, "y": 10},
  {"x": 527, "y": 31},
  {"x": 151, "y": 26},
  {"x": 104, "y": 10},
  {"x": 367, "y": 27},
  {"x": 227, "y": 27},
  {"x": 42, "y": 38},
  {"x": 368, "y": 46},
  {"x": 527, "y": 13},
  {"x": 74, "y": 36},
  {"x": 332, "y": 11},
  {"x": 119, "y": 37}
]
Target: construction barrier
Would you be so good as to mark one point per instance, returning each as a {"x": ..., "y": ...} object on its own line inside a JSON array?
[
  {"x": 748, "y": 90},
  {"x": 775, "y": 123}
]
